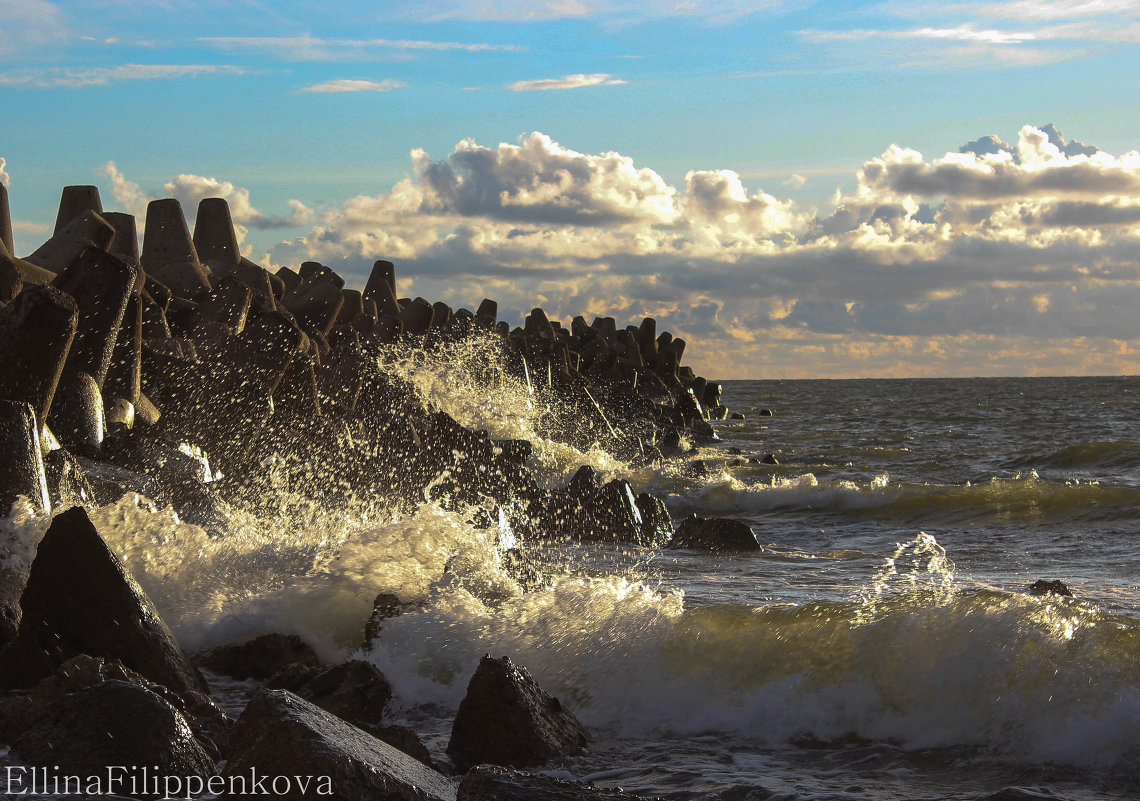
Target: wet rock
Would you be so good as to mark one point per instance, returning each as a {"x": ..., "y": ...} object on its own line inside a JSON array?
[
  {"x": 215, "y": 240},
  {"x": 493, "y": 783},
  {"x": 259, "y": 658},
  {"x": 354, "y": 691},
  {"x": 736, "y": 416},
  {"x": 36, "y": 332},
  {"x": 714, "y": 534},
  {"x": 280, "y": 734},
  {"x": 77, "y": 416},
  {"x": 87, "y": 230},
  {"x": 22, "y": 468},
  {"x": 656, "y": 522},
  {"x": 764, "y": 413},
  {"x": 403, "y": 739},
  {"x": 1043, "y": 587},
  {"x": 12, "y": 580},
  {"x": 384, "y": 607},
  {"x": 769, "y": 458},
  {"x": 81, "y": 599},
  {"x": 614, "y": 514},
  {"x": 507, "y": 719},
  {"x": 115, "y": 724}
]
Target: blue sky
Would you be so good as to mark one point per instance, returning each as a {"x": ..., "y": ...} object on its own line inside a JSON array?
[{"x": 780, "y": 182}]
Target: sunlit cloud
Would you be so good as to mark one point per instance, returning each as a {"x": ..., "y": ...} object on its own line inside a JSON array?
[
  {"x": 77, "y": 77},
  {"x": 1010, "y": 257},
  {"x": 576, "y": 81},
  {"x": 348, "y": 85},
  {"x": 5, "y": 178}
]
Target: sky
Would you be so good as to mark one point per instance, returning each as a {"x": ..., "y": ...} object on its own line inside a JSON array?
[{"x": 799, "y": 189}]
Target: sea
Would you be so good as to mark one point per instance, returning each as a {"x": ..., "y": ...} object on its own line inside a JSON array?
[{"x": 881, "y": 646}]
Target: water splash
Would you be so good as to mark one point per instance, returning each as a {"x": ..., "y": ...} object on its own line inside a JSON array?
[{"x": 918, "y": 566}]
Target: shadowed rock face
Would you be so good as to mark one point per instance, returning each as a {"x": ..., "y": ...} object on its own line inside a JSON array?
[
  {"x": 507, "y": 719},
  {"x": 114, "y": 723},
  {"x": 81, "y": 599},
  {"x": 259, "y": 658},
  {"x": 715, "y": 534},
  {"x": 280, "y": 734}
]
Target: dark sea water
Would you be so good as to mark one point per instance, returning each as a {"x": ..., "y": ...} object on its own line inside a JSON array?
[{"x": 881, "y": 646}]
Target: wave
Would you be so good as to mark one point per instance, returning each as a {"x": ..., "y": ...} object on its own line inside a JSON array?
[
  {"x": 1105, "y": 455},
  {"x": 1024, "y": 499}
]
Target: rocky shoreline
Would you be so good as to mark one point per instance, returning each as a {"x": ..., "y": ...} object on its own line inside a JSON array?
[{"x": 176, "y": 373}]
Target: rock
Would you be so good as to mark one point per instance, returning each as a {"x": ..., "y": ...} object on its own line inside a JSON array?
[
  {"x": 81, "y": 599},
  {"x": 614, "y": 514},
  {"x": 12, "y": 580},
  {"x": 36, "y": 332},
  {"x": 215, "y": 240},
  {"x": 736, "y": 416},
  {"x": 403, "y": 739},
  {"x": 22, "y": 468},
  {"x": 315, "y": 302},
  {"x": 769, "y": 458},
  {"x": 507, "y": 719},
  {"x": 281, "y": 735},
  {"x": 1043, "y": 587},
  {"x": 116, "y": 724},
  {"x": 493, "y": 783},
  {"x": 656, "y": 522},
  {"x": 74, "y": 201},
  {"x": 77, "y": 415},
  {"x": 6, "y": 221},
  {"x": 715, "y": 534},
  {"x": 764, "y": 413},
  {"x": 259, "y": 658},
  {"x": 168, "y": 253},
  {"x": 384, "y": 607},
  {"x": 87, "y": 230},
  {"x": 354, "y": 691}
]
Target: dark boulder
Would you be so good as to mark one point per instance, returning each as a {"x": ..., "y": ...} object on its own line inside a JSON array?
[
  {"x": 493, "y": 783},
  {"x": 403, "y": 739},
  {"x": 81, "y": 599},
  {"x": 117, "y": 724},
  {"x": 507, "y": 719},
  {"x": 355, "y": 690},
  {"x": 656, "y": 522},
  {"x": 259, "y": 658},
  {"x": 281, "y": 735},
  {"x": 1055, "y": 587},
  {"x": 714, "y": 534}
]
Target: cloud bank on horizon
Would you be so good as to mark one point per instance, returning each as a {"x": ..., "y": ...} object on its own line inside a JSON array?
[{"x": 1012, "y": 253}]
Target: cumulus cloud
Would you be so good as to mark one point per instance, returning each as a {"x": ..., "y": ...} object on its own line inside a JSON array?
[
  {"x": 5, "y": 179},
  {"x": 576, "y": 81},
  {"x": 924, "y": 260},
  {"x": 189, "y": 189},
  {"x": 348, "y": 85},
  {"x": 77, "y": 77}
]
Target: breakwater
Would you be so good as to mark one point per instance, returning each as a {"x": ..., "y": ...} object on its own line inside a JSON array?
[{"x": 186, "y": 374}]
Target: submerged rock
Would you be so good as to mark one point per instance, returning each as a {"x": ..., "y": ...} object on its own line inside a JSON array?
[
  {"x": 507, "y": 719},
  {"x": 714, "y": 534},
  {"x": 259, "y": 658},
  {"x": 281, "y": 735},
  {"x": 1055, "y": 587}
]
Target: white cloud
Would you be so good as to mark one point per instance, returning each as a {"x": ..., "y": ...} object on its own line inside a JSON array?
[
  {"x": 29, "y": 25},
  {"x": 314, "y": 48},
  {"x": 575, "y": 81},
  {"x": 5, "y": 179},
  {"x": 189, "y": 189},
  {"x": 348, "y": 85},
  {"x": 75, "y": 77},
  {"x": 1026, "y": 248}
]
